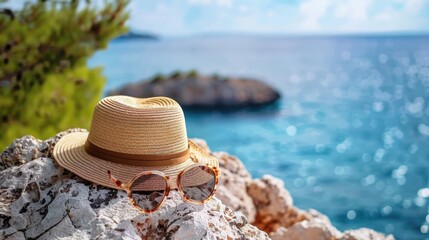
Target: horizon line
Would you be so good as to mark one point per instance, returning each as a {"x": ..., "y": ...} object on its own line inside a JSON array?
[{"x": 289, "y": 34}]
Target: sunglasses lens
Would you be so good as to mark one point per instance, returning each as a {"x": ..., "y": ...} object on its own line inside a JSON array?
[
  {"x": 198, "y": 183},
  {"x": 148, "y": 191}
]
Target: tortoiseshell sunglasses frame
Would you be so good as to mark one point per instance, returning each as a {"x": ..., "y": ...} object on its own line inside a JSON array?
[{"x": 127, "y": 186}]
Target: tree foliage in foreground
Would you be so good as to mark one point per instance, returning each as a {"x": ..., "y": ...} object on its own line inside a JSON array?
[{"x": 45, "y": 83}]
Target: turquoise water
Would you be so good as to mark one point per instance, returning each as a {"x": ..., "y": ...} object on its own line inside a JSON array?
[{"x": 350, "y": 136}]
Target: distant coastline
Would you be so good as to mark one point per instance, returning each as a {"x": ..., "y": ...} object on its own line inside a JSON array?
[
  {"x": 133, "y": 35},
  {"x": 315, "y": 34}
]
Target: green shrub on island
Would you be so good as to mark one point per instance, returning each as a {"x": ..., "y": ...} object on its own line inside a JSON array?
[
  {"x": 193, "y": 74},
  {"x": 218, "y": 77},
  {"x": 176, "y": 74},
  {"x": 158, "y": 78},
  {"x": 45, "y": 83}
]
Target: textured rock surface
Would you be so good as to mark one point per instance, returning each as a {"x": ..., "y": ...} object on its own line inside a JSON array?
[
  {"x": 39, "y": 199},
  {"x": 233, "y": 183},
  {"x": 364, "y": 233},
  {"x": 274, "y": 204},
  {"x": 206, "y": 92},
  {"x": 27, "y": 148}
]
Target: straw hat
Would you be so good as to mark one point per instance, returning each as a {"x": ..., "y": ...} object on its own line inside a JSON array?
[{"x": 128, "y": 136}]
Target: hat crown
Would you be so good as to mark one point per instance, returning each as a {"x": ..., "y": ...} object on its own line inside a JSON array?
[{"x": 146, "y": 126}]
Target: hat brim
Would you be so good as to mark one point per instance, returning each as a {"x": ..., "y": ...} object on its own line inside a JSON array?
[{"x": 70, "y": 153}]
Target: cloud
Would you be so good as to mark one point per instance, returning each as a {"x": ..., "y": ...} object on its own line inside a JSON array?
[
  {"x": 409, "y": 15},
  {"x": 312, "y": 11},
  {"x": 352, "y": 9},
  {"x": 181, "y": 17},
  {"x": 415, "y": 6},
  {"x": 363, "y": 15},
  {"x": 158, "y": 17},
  {"x": 222, "y": 3},
  {"x": 200, "y": 2},
  {"x": 225, "y": 3}
]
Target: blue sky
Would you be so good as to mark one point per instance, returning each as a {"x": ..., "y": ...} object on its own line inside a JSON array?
[{"x": 183, "y": 17}]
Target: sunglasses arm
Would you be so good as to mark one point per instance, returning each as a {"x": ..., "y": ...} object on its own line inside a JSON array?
[{"x": 115, "y": 180}]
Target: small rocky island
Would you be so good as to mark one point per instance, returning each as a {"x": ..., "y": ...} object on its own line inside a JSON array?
[
  {"x": 192, "y": 90},
  {"x": 137, "y": 36},
  {"x": 41, "y": 200}
]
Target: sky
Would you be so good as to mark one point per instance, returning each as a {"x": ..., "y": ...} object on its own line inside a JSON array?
[{"x": 187, "y": 17}]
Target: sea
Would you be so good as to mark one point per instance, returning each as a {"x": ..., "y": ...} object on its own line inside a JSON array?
[{"x": 350, "y": 135}]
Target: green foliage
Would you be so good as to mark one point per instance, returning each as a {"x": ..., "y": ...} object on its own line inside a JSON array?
[
  {"x": 45, "y": 84},
  {"x": 193, "y": 74},
  {"x": 218, "y": 77},
  {"x": 176, "y": 74},
  {"x": 158, "y": 78}
]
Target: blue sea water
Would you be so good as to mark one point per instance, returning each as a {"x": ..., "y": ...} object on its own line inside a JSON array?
[{"x": 350, "y": 136}]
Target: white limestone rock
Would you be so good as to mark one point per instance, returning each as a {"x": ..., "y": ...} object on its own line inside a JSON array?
[
  {"x": 41, "y": 200},
  {"x": 27, "y": 148},
  {"x": 274, "y": 204},
  {"x": 364, "y": 233},
  {"x": 233, "y": 183}
]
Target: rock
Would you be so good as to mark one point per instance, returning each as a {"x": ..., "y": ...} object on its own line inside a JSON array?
[
  {"x": 364, "y": 233},
  {"x": 27, "y": 148},
  {"x": 315, "y": 226},
  {"x": 21, "y": 151},
  {"x": 39, "y": 199},
  {"x": 306, "y": 230},
  {"x": 137, "y": 36},
  {"x": 196, "y": 91},
  {"x": 274, "y": 204},
  {"x": 233, "y": 183}
]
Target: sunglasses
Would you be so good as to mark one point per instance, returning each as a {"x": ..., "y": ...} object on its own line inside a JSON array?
[{"x": 148, "y": 190}]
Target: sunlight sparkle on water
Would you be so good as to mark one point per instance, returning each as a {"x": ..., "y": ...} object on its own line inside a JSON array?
[
  {"x": 379, "y": 154},
  {"x": 424, "y": 228},
  {"x": 399, "y": 173},
  {"x": 423, "y": 129},
  {"x": 386, "y": 210},
  {"x": 416, "y": 106},
  {"x": 419, "y": 201},
  {"x": 291, "y": 130},
  {"x": 351, "y": 214},
  {"x": 368, "y": 180},
  {"x": 423, "y": 193}
]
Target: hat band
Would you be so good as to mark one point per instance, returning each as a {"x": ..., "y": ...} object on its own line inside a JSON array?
[{"x": 136, "y": 159}]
